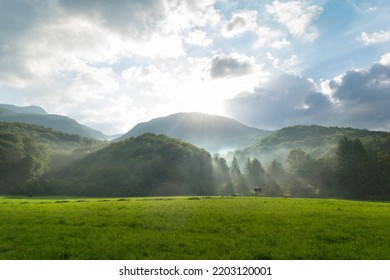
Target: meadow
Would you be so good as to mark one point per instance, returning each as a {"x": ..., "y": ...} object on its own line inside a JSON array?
[{"x": 193, "y": 228}]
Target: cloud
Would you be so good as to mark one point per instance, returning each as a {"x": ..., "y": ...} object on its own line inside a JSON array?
[
  {"x": 240, "y": 22},
  {"x": 129, "y": 17},
  {"x": 357, "y": 98},
  {"x": 68, "y": 56},
  {"x": 284, "y": 100},
  {"x": 112, "y": 65},
  {"x": 375, "y": 38},
  {"x": 385, "y": 59},
  {"x": 297, "y": 16},
  {"x": 363, "y": 97},
  {"x": 268, "y": 37},
  {"x": 198, "y": 37},
  {"x": 230, "y": 66}
]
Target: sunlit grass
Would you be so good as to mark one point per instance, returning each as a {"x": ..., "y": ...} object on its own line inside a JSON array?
[{"x": 193, "y": 228}]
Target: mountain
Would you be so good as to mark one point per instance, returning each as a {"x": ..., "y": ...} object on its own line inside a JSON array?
[
  {"x": 147, "y": 165},
  {"x": 211, "y": 132},
  {"x": 23, "y": 110},
  {"x": 38, "y": 116}
]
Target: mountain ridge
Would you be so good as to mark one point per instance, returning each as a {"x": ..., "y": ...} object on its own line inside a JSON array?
[
  {"x": 38, "y": 116},
  {"x": 317, "y": 140},
  {"x": 212, "y": 132}
]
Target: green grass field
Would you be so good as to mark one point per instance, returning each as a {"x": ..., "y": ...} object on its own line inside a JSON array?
[{"x": 193, "y": 228}]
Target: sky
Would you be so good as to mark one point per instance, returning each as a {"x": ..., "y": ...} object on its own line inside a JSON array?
[{"x": 268, "y": 64}]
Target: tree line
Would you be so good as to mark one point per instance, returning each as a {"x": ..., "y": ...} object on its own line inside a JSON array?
[
  {"x": 158, "y": 165},
  {"x": 353, "y": 171}
]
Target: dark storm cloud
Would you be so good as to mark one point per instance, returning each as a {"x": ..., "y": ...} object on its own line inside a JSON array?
[
  {"x": 365, "y": 97},
  {"x": 284, "y": 100},
  {"x": 222, "y": 67},
  {"x": 360, "y": 99},
  {"x": 365, "y": 86}
]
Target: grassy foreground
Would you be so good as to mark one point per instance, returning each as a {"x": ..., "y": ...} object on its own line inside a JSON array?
[{"x": 193, "y": 228}]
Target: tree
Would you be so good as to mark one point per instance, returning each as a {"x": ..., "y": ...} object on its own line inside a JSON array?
[
  {"x": 238, "y": 179},
  {"x": 222, "y": 179},
  {"x": 298, "y": 162},
  {"x": 301, "y": 175},
  {"x": 353, "y": 169},
  {"x": 275, "y": 169},
  {"x": 254, "y": 172},
  {"x": 22, "y": 161}
]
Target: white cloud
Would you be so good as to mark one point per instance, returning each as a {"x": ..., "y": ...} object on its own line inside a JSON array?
[
  {"x": 297, "y": 16},
  {"x": 292, "y": 65},
  {"x": 375, "y": 38},
  {"x": 240, "y": 22},
  {"x": 198, "y": 37},
  {"x": 385, "y": 59},
  {"x": 267, "y": 37},
  {"x": 112, "y": 66},
  {"x": 280, "y": 44},
  {"x": 186, "y": 15},
  {"x": 189, "y": 86}
]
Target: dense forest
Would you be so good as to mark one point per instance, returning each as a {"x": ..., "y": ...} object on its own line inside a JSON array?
[
  {"x": 327, "y": 162},
  {"x": 27, "y": 152},
  {"x": 143, "y": 166}
]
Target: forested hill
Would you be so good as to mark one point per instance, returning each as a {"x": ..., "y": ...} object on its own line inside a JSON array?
[
  {"x": 27, "y": 152},
  {"x": 40, "y": 161},
  {"x": 318, "y": 141},
  {"x": 211, "y": 132},
  {"x": 52, "y": 140},
  {"x": 142, "y": 166},
  {"x": 38, "y": 116}
]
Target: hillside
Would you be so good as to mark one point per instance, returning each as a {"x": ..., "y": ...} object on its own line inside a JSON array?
[
  {"x": 318, "y": 141},
  {"x": 141, "y": 166},
  {"x": 211, "y": 132},
  {"x": 38, "y": 116},
  {"x": 27, "y": 152},
  {"x": 53, "y": 140}
]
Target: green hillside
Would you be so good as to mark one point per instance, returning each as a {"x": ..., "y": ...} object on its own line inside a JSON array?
[
  {"x": 53, "y": 140},
  {"x": 142, "y": 166},
  {"x": 303, "y": 161},
  {"x": 316, "y": 140},
  {"x": 27, "y": 152}
]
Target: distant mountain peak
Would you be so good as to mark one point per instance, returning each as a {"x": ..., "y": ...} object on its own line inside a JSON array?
[
  {"x": 38, "y": 116},
  {"x": 212, "y": 132},
  {"x": 36, "y": 110}
]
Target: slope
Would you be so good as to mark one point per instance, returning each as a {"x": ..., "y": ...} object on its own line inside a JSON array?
[{"x": 316, "y": 140}]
